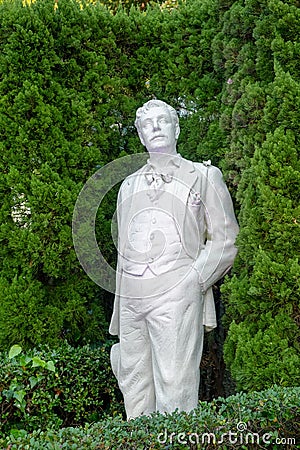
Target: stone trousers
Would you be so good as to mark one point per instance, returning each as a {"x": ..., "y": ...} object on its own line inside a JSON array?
[{"x": 157, "y": 360}]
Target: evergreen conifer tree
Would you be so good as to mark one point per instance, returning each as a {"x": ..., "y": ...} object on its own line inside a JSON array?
[
  {"x": 262, "y": 346},
  {"x": 50, "y": 75}
]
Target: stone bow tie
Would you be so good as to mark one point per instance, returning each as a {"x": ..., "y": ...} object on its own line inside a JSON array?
[
  {"x": 156, "y": 183},
  {"x": 153, "y": 177}
]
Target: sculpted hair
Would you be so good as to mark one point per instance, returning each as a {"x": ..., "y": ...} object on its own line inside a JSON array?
[{"x": 155, "y": 104}]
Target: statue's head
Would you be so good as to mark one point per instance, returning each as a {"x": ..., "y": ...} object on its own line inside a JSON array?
[{"x": 158, "y": 126}]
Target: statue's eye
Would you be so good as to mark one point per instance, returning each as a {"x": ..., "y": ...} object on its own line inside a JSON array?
[
  {"x": 147, "y": 124},
  {"x": 163, "y": 120}
]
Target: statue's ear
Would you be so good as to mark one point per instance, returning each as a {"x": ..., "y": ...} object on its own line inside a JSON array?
[{"x": 177, "y": 131}]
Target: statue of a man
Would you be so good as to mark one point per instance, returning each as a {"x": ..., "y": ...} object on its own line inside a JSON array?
[{"x": 177, "y": 229}]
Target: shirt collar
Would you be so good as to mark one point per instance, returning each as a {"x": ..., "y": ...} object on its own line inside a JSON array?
[{"x": 173, "y": 161}]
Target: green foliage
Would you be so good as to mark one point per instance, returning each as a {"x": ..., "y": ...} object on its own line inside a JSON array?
[
  {"x": 264, "y": 416},
  {"x": 263, "y": 297},
  {"x": 49, "y": 144},
  {"x": 44, "y": 388},
  {"x": 264, "y": 353},
  {"x": 16, "y": 390},
  {"x": 71, "y": 80},
  {"x": 264, "y": 347}
]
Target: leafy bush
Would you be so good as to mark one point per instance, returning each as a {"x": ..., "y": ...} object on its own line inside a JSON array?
[
  {"x": 53, "y": 388},
  {"x": 266, "y": 419},
  {"x": 261, "y": 116},
  {"x": 49, "y": 147},
  {"x": 71, "y": 78}
]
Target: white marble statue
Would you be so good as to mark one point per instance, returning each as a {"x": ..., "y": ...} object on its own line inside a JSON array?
[{"x": 176, "y": 234}]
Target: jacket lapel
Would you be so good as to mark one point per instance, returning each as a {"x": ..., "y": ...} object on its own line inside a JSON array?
[{"x": 186, "y": 177}]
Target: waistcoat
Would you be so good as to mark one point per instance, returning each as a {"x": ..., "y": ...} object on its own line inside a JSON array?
[{"x": 154, "y": 237}]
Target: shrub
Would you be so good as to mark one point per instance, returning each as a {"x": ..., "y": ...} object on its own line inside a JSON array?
[
  {"x": 71, "y": 77},
  {"x": 47, "y": 388},
  {"x": 261, "y": 115},
  {"x": 266, "y": 419},
  {"x": 49, "y": 147}
]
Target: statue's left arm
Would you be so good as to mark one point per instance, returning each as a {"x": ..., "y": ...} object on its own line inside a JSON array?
[{"x": 219, "y": 251}]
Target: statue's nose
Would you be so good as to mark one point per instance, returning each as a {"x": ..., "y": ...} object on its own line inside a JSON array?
[{"x": 156, "y": 125}]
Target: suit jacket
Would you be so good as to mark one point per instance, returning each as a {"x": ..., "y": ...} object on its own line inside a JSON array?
[{"x": 208, "y": 225}]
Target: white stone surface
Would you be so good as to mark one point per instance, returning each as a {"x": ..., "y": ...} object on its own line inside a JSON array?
[{"x": 177, "y": 230}]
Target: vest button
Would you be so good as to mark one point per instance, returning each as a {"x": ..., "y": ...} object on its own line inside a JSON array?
[
  {"x": 153, "y": 220},
  {"x": 151, "y": 236}
]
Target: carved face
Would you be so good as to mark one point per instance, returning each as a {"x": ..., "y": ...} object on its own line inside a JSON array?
[{"x": 157, "y": 131}]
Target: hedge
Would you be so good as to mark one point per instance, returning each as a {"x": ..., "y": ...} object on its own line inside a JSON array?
[
  {"x": 43, "y": 388},
  {"x": 267, "y": 419},
  {"x": 71, "y": 78},
  {"x": 261, "y": 113}
]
